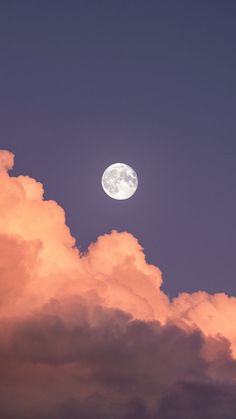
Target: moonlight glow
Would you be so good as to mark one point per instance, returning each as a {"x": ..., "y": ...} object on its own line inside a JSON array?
[{"x": 119, "y": 181}]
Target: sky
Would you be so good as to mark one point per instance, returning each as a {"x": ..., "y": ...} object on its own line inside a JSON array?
[
  {"x": 149, "y": 281},
  {"x": 152, "y": 84}
]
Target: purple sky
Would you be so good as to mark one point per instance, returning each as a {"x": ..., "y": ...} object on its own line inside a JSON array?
[{"x": 84, "y": 84}]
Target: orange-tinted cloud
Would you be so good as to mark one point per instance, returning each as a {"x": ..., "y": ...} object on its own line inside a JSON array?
[{"x": 93, "y": 335}]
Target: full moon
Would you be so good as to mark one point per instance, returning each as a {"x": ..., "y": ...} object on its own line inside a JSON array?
[{"x": 119, "y": 181}]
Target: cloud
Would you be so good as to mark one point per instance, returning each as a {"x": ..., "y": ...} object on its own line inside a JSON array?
[
  {"x": 194, "y": 400},
  {"x": 93, "y": 335},
  {"x": 6, "y": 161}
]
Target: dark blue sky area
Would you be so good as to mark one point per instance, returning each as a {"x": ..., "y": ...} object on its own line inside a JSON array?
[{"x": 84, "y": 84}]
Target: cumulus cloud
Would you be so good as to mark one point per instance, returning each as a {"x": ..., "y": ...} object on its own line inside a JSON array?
[
  {"x": 6, "y": 161},
  {"x": 93, "y": 335}
]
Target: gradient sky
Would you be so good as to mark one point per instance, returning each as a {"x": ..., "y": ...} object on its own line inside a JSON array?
[{"x": 84, "y": 84}]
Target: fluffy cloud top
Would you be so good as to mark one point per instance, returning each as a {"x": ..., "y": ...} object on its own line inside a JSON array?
[{"x": 93, "y": 335}]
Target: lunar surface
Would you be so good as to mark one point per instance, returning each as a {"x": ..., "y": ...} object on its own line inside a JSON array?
[{"x": 119, "y": 181}]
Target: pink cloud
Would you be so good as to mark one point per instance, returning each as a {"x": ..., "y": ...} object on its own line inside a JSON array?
[{"x": 94, "y": 334}]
